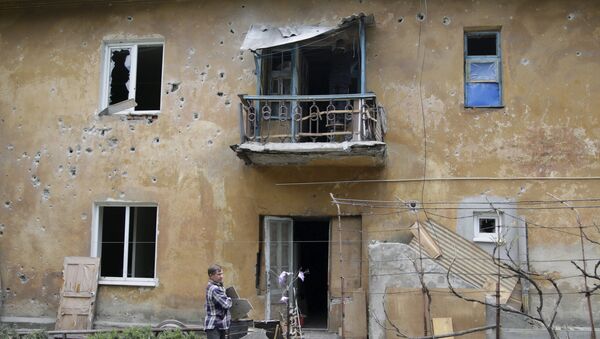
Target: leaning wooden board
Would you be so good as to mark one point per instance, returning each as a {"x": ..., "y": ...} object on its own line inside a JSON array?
[{"x": 78, "y": 294}]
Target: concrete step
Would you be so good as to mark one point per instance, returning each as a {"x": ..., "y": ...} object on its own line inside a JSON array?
[{"x": 318, "y": 334}]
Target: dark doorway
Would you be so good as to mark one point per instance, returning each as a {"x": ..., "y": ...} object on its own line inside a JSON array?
[{"x": 311, "y": 244}]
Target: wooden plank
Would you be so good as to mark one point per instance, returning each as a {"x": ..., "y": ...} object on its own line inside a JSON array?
[
  {"x": 423, "y": 237},
  {"x": 355, "y": 314},
  {"x": 351, "y": 248},
  {"x": 78, "y": 293},
  {"x": 442, "y": 326},
  {"x": 322, "y": 134},
  {"x": 355, "y": 321}
]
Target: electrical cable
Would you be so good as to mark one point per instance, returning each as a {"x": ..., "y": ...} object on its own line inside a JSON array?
[{"x": 420, "y": 87}]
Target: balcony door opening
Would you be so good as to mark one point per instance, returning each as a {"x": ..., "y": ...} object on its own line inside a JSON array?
[
  {"x": 333, "y": 69},
  {"x": 321, "y": 66},
  {"x": 330, "y": 69}
]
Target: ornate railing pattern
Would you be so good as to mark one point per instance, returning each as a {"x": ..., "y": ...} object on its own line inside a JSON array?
[{"x": 311, "y": 118}]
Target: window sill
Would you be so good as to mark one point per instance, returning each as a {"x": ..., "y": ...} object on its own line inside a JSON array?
[
  {"x": 484, "y": 107},
  {"x": 486, "y": 239},
  {"x": 137, "y": 115},
  {"x": 148, "y": 282}
]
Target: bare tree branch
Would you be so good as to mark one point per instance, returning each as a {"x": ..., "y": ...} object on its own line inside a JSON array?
[
  {"x": 583, "y": 235},
  {"x": 395, "y": 328},
  {"x": 521, "y": 274},
  {"x": 458, "y": 333},
  {"x": 424, "y": 287}
]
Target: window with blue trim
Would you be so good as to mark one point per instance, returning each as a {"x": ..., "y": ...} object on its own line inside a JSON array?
[{"x": 483, "y": 69}]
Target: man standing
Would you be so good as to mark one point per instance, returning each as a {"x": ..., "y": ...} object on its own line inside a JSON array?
[{"x": 217, "y": 306}]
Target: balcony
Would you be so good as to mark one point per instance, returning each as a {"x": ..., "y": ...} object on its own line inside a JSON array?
[{"x": 312, "y": 130}]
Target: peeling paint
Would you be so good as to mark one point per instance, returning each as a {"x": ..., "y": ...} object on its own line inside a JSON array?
[{"x": 59, "y": 157}]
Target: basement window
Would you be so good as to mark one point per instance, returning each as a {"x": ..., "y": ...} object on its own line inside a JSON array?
[
  {"x": 124, "y": 237},
  {"x": 486, "y": 226},
  {"x": 483, "y": 80},
  {"x": 132, "y": 78}
]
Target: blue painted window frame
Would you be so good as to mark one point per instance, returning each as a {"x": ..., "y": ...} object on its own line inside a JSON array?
[{"x": 491, "y": 87}]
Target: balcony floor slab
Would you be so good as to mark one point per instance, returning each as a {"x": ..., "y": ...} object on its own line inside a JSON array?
[{"x": 347, "y": 153}]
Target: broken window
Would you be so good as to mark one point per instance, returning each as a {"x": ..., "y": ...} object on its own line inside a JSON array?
[
  {"x": 279, "y": 81},
  {"x": 486, "y": 226},
  {"x": 331, "y": 66},
  {"x": 133, "y": 72},
  {"x": 483, "y": 78},
  {"x": 126, "y": 243}
]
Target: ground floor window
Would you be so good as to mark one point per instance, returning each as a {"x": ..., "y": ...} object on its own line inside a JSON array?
[{"x": 125, "y": 241}]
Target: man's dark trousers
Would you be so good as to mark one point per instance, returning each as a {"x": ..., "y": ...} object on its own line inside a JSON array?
[{"x": 216, "y": 334}]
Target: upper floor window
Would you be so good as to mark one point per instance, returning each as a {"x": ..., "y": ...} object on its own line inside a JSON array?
[
  {"x": 124, "y": 237},
  {"x": 133, "y": 71},
  {"x": 486, "y": 226},
  {"x": 327, "y": 65},
  {"x": 483, "y": 69}
]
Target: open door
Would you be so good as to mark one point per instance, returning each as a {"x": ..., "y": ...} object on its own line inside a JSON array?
[
  {"x": 279, "y": 257},
  {"x": 347, "y": 298}
]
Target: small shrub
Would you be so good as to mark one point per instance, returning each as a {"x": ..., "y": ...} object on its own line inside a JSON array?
[
  {"x": 39, "y": 334},
  {"x": 105, "y": 335},
  {"x": 137, "y": 333},
  {"x": 7, "y": 332},
  {"x": 143, "y": 333},
  {"x": 178, "y": 334}
]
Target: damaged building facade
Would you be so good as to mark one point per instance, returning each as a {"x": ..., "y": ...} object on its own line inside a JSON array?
[{"x": 376, "y": 144}]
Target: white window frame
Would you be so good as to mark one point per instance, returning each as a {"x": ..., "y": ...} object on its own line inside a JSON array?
[
  {"x": 133, "y": 45},
  {"x": 487, "y": 237},
  {"x": 96, "y": 248}
]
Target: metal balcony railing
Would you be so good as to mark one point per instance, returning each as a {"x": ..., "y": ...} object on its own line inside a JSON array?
[{"x": 311, "y": 118}]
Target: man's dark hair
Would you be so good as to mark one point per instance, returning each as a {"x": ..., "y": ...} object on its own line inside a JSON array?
[{"x": 214, "y": 268}]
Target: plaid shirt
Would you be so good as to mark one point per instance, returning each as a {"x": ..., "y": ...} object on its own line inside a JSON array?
[{"x": 217, "y": 307}]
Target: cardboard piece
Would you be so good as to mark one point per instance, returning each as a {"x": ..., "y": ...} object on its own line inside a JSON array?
[
  {"x": 405, "y": 309},
  {"x": 426, "y": 240},
  {"x": 231, "y": 292},
  {"x": 442, "y": 326},
  {"x": 240, "y": 307}
]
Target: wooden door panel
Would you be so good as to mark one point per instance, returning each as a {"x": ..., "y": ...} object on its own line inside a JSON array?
[
  {"x": 78, "y": 294},
  {"x": 351, "y": 251}
]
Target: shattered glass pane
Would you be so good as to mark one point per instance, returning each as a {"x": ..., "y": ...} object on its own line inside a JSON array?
[
  {"x": 281, "y": 61},
  {"x": 287, "y": 85},
  {"x": 482, "y": 94},
  {"x": 483, "y": 71},
  {"x": 120, "y": 65}
]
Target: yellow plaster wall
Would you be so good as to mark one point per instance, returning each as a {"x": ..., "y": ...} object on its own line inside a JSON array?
[{"x": 58, "y": 157}]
